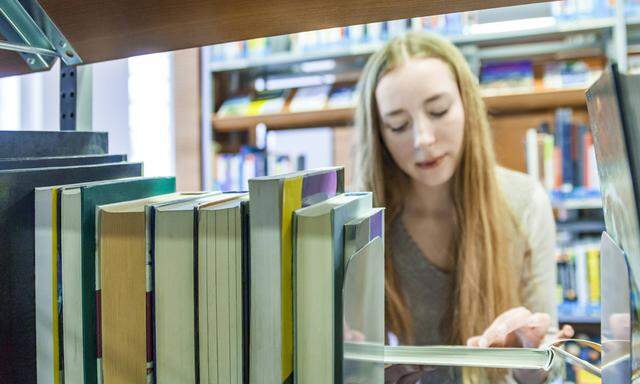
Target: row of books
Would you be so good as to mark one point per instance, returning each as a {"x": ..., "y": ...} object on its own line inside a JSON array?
[
  {"x": 565, "y": 158},
  {"x": 519, "y": 75},
  {"x": 450, "y": 24},
  {"x": 495, "y": 78},
  {"x": 297, "y": 100},
  {"x": 234, "y": 170},
  {"x": 579, "y": 273},
  {"x": 111, "y": 277},
  {"x": 331, "y": 38}
]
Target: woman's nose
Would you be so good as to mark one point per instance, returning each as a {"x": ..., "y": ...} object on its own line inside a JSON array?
[{"x": 423, "y": 133}]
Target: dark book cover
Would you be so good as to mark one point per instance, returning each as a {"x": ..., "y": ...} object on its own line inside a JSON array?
[
  {"x": 17, "y": 257},
  {"x": 15, "y": 144},
  {"x": 246, "y": 285},
  {"x": 61, "y": 161},
  {"x": 92, "y": 197}
]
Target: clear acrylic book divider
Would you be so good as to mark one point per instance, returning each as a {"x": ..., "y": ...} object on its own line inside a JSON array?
[{"x": 363, "y": 309}]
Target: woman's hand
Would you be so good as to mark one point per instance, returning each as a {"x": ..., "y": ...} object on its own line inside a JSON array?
[{"x": 518, "y": 327}]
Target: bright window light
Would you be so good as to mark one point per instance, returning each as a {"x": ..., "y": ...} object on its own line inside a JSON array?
[
  {"x": 10, "y": 103},
  {"x": 150, "y": 113},
  {"x": 513, "y": 25},
  {"x": 299, "y": 81},
  {"x": 318, "y": 66}
]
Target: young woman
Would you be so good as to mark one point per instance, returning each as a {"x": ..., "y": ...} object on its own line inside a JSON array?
[{"x": 470, "y": 245}]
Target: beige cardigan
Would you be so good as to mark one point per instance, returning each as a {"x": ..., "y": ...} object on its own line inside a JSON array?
[{"x": 534, "y": 257}]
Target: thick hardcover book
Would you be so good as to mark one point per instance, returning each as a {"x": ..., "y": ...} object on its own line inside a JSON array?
[
  {"x": 219, "y": 298},
  {"x": 83, "y": 201},
  {"x": 273, "y": 201},
  {"x": 125, "y": 283},
  {"x": 462, "y": 356},
  {"x": 63, "y": 161},
  {"x": 15, "y": 144},
  {"x": 172, "y": 232},
  {"x": 17, "y": 264}
]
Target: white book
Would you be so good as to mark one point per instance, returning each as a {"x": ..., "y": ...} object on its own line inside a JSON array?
[
  {"x": 173, "y": 277},
  {"x": 461, "y": 356},
  {"x": 220, "y": 304},
  {"x": 71, "y": 230},
  {"x": 582, "y": 277},
  {"x": 531, "y": 149},
  {"x": 45, "y": 281},
  {"x": 273, "y": 201}
]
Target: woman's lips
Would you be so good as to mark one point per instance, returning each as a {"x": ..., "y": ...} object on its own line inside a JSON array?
[{"x": 430, "y": 164}]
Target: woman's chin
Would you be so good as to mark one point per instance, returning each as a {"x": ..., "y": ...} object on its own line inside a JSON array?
[{"x": 431, "y": 181}]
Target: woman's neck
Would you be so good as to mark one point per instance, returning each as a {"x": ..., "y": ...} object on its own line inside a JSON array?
[{"x": 424, "y": 201}]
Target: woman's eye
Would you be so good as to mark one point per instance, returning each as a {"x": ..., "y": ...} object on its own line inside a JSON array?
[
  {"x": 440, "y": 113},
  {"x": 398, "y": 128}
]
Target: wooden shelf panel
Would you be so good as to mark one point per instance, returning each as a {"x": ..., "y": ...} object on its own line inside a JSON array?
[
  {"x": 102, "y": 30},
  {"x": 334, "y": 117},
  {"x": 327, "y": 117},
  {"x": 538, "y": 100}
]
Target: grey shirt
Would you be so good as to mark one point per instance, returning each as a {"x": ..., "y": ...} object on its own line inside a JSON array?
[{"x": 428, "y": 290}]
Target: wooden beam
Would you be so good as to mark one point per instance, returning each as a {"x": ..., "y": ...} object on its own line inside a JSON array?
[
  {"x": 186, "y": 118},
  {"x": 102, "y": 30}
]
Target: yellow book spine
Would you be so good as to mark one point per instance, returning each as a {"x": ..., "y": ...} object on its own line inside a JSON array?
[
  {"x": 291, "y": 200},
  {"x": 593, "y": 265}
]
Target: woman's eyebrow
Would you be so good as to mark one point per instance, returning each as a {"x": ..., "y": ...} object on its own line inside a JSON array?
[
  {"x": 395, "y": 112},
  {"x": 435, "y": 97}
]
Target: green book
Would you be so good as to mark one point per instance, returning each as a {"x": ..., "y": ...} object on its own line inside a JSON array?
[{"x": 78, "y": 236}]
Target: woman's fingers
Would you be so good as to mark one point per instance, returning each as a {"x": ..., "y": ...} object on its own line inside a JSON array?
[
  {"x": 516, "y": 327},
  {"x": 504, "y": 324},
  {"x": 473, "y": 341},
  {"x": 566, "y": 332}
]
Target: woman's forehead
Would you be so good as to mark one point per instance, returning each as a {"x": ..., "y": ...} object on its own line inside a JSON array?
[{"x": 415, "y": 81}]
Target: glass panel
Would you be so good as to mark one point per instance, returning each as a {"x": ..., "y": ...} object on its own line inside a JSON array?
[{"x": 363, "y": 295}]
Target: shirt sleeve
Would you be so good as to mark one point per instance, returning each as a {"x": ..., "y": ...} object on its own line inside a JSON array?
[{"x": 539, "y": 276}]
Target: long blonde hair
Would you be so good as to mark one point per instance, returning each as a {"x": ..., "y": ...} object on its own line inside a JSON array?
[{"x": 484, "y": 283}]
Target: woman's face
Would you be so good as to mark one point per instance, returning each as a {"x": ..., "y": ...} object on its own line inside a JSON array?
[{"x": 422, "y": 119}]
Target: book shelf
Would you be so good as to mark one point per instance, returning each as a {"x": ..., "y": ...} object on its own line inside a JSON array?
[
  {"x": 104, "y": 31},
  {"x": 503, "y": 103}
]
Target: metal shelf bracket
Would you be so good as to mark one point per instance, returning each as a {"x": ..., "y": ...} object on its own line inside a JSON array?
[{"x": 28, "y": 30}]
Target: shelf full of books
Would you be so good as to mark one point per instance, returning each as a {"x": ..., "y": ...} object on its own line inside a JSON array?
[
  {"x": 109, "y": 273},
  {"x": 578, "y": 288},
  {"x": 119, "y": 271},
  {"x": 558, "y": 19},
  {"x": 336, "y": 107}
]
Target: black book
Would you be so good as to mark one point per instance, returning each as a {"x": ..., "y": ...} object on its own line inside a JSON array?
[
  {"x": 14, "y": 144},
  {"x": 66, "y": 161},
  {"x": 246, "y": 293},
  {"x": 17, "y": 257}
]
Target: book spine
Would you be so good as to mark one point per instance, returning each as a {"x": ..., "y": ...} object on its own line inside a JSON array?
[
  {"x": 557, "y": 167},
  {"x": 58, "y": 287},
  {"x": 580, "y": 156},
  {"x": 567, "y": 158},
  {"x": 149, "y": 293},
  {"x": 582, "y": 281},
  {"x": 531, "y": 151},
  {"x": 593, "y": 264},
  {"x": 98, "y": 301},
  {"x": 571, "y": 268},
  {"x": 549, "y": 177}
]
